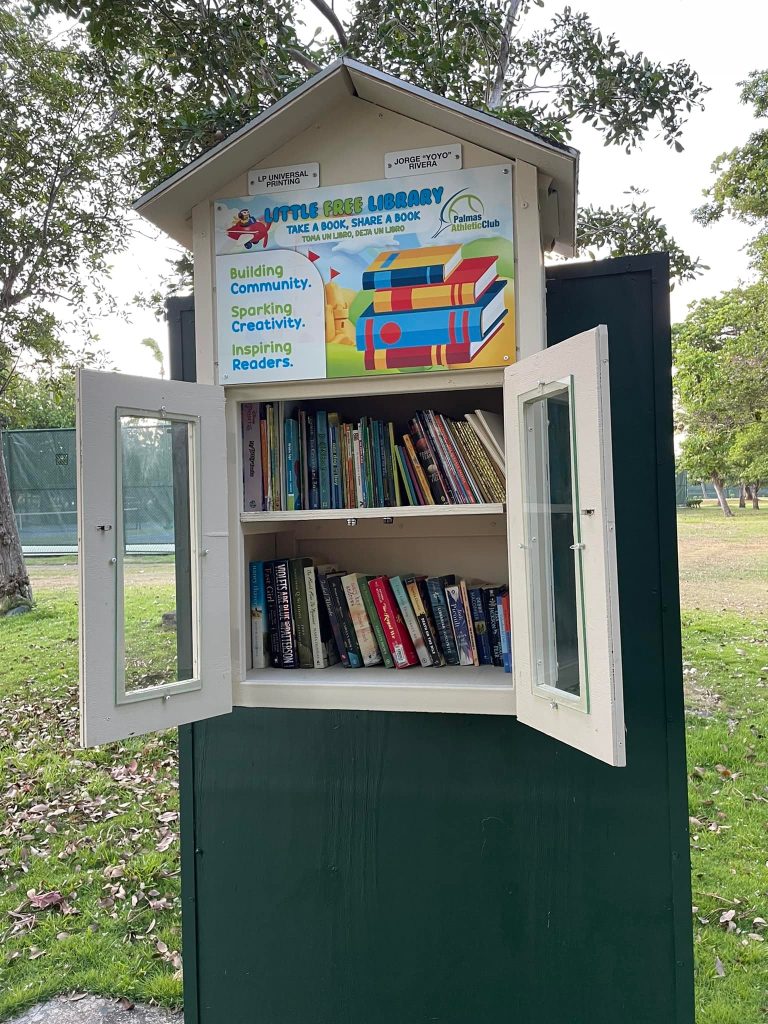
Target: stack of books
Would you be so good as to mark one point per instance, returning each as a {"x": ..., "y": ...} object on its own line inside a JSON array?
[
  {"x": 307, "y": 616},
  {"x": 312, "y": 459},
  {"x": 430, "y": 307}
]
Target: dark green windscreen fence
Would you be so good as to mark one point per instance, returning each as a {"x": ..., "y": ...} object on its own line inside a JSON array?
[{"x": 41, "y": 467}]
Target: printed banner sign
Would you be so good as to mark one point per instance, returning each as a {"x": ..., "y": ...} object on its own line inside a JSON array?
[
  {"x": 422, "y": 161},
  {"x": 371, "y": 278},
  {"x": 283, "y": 179}
]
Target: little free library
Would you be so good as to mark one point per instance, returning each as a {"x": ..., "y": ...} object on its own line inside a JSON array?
[{"x": 426, "y": 662}]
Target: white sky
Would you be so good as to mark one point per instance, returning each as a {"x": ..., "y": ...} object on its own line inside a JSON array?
[{"x": 723, "y": 42}]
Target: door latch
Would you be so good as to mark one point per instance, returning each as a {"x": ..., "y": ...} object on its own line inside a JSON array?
[{"x": 105, "y": 527}]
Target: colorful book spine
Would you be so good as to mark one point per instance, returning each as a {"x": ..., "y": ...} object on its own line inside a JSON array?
[
  {"x": 460, "y": 624},
  {"x": 480, "y": 626},
  {"x": 313, "y": 472},
  {"x": 366, "y": 639},
  {"x": 395, "y": 632},
  {"x": 334, "y": 451},
  {"x": 436, "y": 590},
  {"x": 273, "y": 617},
  {"x": 410, "y": 620},
  {"x": 421, "y": 609},
  {"x": 253, "y": 494},
  {"x": 266, "y": 506},
  {"x": 494, "y": 625},
  {"x": 319, "y": 648},
  {"x": 375, "y": 621},
  {"x": 346, "y": 627},
  {"x": 333, "y": 617},
  {"x": 417, "y": 472},
  {"x": 300, "y": 610},
  {"x": 292, "y": 465},
  {"x": 468, "y": 613},
  {"x": 323, "y": 459},
  {"x": 502, "y": 604},
  {"x": 436, "y": 482},
  {"x": 304, "y": 483},
  {"x": 287, "y": 637},
  {"x": 408, "y": 486},
  {"x": 259, "y": 626},
  {"x": 358, "y": 458},
  {"x": 392, "y": 463}
]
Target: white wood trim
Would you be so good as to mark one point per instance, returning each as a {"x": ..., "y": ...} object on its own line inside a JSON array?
[
  {"x": 99, "y": 396},
  {"x": 451, "y": 690},
  {"x": 205, "y": 292},
  {"x": 398, "y": 512},
  {"x": 599, "y": 730},
  {"x": 529, "y": 262}
]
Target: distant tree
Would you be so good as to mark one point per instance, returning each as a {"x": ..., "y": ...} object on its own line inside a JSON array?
[
  {"x": 194, "y": 72},
  {"x": 63, "y": 172},
  {"x": 721, "y": 386},
  {"x": 741, "y": 187},
  {"x": 36, "y": 403},
  {"x": 749, "y": 457},
  {"x": 157, "y": 353}
]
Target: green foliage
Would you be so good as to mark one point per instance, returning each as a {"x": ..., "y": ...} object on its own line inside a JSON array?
[
  {"x": 63, "y": 169},
  {"x": 721, "y": 382},
  {"x": 741, "y": 187},
  {"x": 194, "y": 72},
  {"x": 632, "y": 229},
  {"x": 45, "y": 401}
]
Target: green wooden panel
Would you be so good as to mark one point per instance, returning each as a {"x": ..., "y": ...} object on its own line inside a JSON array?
[{"x": 382, "y": 868}]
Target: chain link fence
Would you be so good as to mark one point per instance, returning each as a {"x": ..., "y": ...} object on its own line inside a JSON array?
[{"x": 42, "y": 468}]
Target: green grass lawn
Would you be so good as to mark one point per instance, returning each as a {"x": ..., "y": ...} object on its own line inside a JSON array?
[
  {"x": 88, "y": 839},
  {"x": 94, "y": 833}
]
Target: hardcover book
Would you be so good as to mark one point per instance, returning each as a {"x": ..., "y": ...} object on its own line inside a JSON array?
[
  {"x": 436, "y": 482},
  {"x": 323, "y": 647},
  {"x": 395, "y": 632},
  {"x": 273, "y": 617},
  {"x": 313, "y": 472},
  {"x": 410, "y": 620},
  {"x": 436, "y": 589},
  {"x": 409, "y": 267},
  {"x": 375, "y": 621},
  {"x": 480, "y": 625},
  {"x": 463, "y": 287},
  {"x": 333, "y": 616},
  {"x": 299, "y": 607},
  {"x": 460, "y": 624},
  {"x": 323, "y": 459},
  {"x": 253, "y": 496},
  {"x": 259, "y": 627},
  {"x": 421, "y": 610},
  {"x": 285, "y": 625},
  {"x": 292, "y": 465},
  {"x": 366, "y": 640}
]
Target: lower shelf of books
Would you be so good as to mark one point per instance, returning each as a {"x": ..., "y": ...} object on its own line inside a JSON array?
[{"x": 456, "y": 689}]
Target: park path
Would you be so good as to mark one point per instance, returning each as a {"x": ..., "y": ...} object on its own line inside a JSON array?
[{"x": 84, "y": 1009}]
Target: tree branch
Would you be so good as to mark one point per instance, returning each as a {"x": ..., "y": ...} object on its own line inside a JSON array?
[
  {"x": 330, "y": 15},
  {"x": 497, "y": 90},
  {"x": 304, "y": 60}
]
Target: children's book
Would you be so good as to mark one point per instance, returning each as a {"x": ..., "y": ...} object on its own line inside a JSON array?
[
  {"x": 253, "y": 494},
  {"x": 461, "y": 627},
  {"x": 410, "y": 620},
  {"x": 366, "y": 639},
  {"x": 395, "y": 632},
  {"x": 259, "y": 626}
]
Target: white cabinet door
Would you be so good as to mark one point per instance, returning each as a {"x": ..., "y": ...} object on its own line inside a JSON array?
[
  {"x": 562, "y": 546},
  {"x": 151, "y": 466}
]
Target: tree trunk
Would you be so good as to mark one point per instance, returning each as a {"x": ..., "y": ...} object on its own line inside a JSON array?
[
  {"x": 720, "y": 492},
  {"x": 15, "y": 588},
  {"x": 743, "y": 495},
  {"x": 756, "y": 494}
]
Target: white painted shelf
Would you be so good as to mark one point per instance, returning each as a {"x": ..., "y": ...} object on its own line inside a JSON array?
[
  {"x": 398, "y": 512},
  {"x": 453, "y": 689}
]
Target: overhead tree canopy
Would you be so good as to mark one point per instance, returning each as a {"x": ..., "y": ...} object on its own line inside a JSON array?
[{"x": 195, "y": 71}]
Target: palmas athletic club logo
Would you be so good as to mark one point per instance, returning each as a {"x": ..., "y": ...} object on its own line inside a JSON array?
[{"x": 464, "y": 211}]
